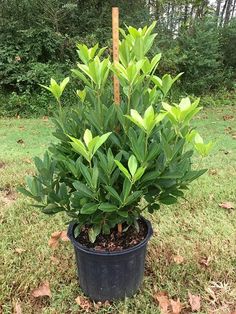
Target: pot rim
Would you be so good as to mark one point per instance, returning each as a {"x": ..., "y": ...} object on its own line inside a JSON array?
[{"x": 70, "y": 234}]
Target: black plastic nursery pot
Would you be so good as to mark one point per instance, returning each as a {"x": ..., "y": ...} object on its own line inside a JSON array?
[{"x": 110, "y": 275}]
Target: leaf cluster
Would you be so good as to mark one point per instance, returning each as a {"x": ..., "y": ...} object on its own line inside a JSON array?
[{"x": 108, "y": 157}]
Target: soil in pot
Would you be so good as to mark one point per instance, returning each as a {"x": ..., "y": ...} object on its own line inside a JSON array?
[{"x": 115, "y": 241}]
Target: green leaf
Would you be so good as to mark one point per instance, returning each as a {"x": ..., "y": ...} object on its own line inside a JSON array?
[
  {"x": 172, "y": 175},
  {"x": 139, "y": 173},
  {"x": 27, "y": 193},
  {"x": 193, "y": 174},
  {"x": 94, "y": 232},
  {"x": 79, "y": 147},
  {"x": 86, "y": 174},
  {"x": 82, "y": 189},
  {"x": 64, "y": 83},
  {"x": 132, "y": 165},
  {"x": 168, "y": 200},
  {"x": 107, "y": 207},
  {"x": 100, "y": 141},
  {"x": 160, "y": 117},
  {"x": 95, "y": 177},
  {"x": 82, "y": 77},
  {"x": 127, "y": 185},
  {"x": 52, "y": 209},
  {"x": 89, "y": 208},
  {"x": 81, "y": 94},
  {"x": 87, "y": 137},
  {"x": 113, "y": 193},
  {"x": 133, "y": 197},
  {"x": 123, "y": 169}
]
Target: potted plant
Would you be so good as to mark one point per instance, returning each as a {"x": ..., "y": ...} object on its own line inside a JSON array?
[{"x": 111, "y": 163}]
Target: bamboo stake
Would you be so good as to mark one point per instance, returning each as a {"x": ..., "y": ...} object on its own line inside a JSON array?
[{"x": 115, "y": 49}]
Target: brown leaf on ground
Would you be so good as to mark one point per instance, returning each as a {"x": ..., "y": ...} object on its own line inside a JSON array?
[
  {"x": 178, "y": 259},
  {"x": 84, "y": 303},
  {"x": 42, "y": 291},
  {"x": 19, "y": 250},
  {"x": 64, "y": 236},
  {"x": 17, "y": 308},
  {"x": 227, "y": 205},
  {"x": 195, "y": 302},
  {"x": 54, "y": 240},
  {"x": 55, "y": 237},
  {"x": 176, "y": 306},
  {"x": 163, "y": 301},
  {"x": 205, "y": 261},
  {"x": 228, "y": 117},
  {"x": 99, "y": 304},
  {"x": 167, "y": 306}
]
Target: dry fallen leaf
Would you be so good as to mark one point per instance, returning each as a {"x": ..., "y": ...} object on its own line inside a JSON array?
[
  {"x": 163, "y": 302},
  {"x": 178, "y": 259},
  {"x": 227, "y": 205},
  {"x": 195, "y": 302},
  {"x": 176, "y": 306},
  {"x": 99, "y": 304},
  {"x": 228, "y": 117},
  {"x": 19, "y": 250},
  {"x": 54, "y": 240},
  {"x": 55, "y": 237},
  {"x": 42, "y": 291},
  {"x": 64, "y": 236},
  {"x": 168, "y": 306},
  {"x": 205, "y": 261},
  {"x": 84, "y": 303},
  {"x": 17, "y": 308}
]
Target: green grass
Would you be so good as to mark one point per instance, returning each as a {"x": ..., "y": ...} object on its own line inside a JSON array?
[{"x": 197, "y": 229}]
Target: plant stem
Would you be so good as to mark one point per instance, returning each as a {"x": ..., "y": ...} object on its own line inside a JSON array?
[
  {"x": 119, "y": 226},
  {"x": 146, "y": 144},
  {"x": 99, "y": 104}
]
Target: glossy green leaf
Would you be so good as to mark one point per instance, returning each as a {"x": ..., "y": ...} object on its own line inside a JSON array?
[{"x": 107, "y": 207}]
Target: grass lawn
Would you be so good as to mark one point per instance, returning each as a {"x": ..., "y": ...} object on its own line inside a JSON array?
[{"x": 193, "y": 248}]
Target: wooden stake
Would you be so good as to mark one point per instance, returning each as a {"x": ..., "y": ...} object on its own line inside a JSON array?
[{"x": 115, "y": 48}]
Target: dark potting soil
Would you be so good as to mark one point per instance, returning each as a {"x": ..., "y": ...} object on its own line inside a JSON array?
[{"x": 114, "y": 241}]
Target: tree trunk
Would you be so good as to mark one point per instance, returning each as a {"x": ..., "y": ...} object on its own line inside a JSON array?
[
  {"x": 218, "y": 8},
  {"x": 223, "y": 12},
  {"x": 185, "y": 12},
  {"x": 228, "y": 11},
  {"x": 234, "y": 5}
]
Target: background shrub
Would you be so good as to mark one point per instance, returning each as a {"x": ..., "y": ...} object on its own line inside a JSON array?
[{"x": 38, "y": 38}]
